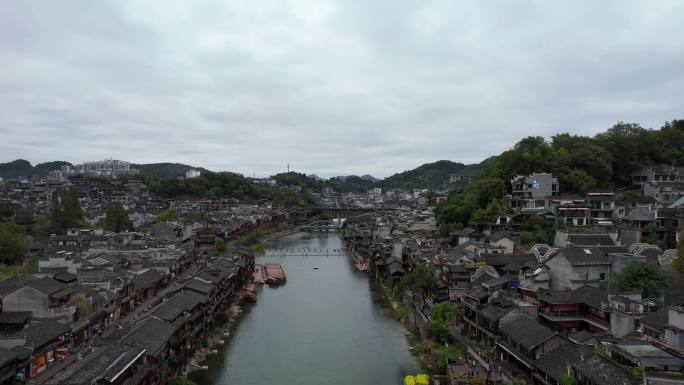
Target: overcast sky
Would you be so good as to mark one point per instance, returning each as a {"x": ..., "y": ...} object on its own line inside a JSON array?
[{"x": 330, "y": 87}]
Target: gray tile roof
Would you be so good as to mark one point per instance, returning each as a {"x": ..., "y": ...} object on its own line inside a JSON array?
[
  {"x": 657, "y": 319},
  {"x": 146, "y": 280},
  {"x": 11, "y": 285},
  {"x": 499, "y": 261},
  {"x": 47, "y": 285},
  {"x": 150, "y": 334},
  {"x": 44, "y": 331},
  {"x": 6, "y": 356},
  {"x": 556, "y": 362},
  {"x": 641, "y": 214},
  {"x": 175, "y": 307},
  {"x": 526, "y": 331},
  {"x": 591, "y": 240},
  {"x": 584, "y": 255},
  {"x": 589, "y": 295},
  {"x": 496, "y": 236},
  {"x": 14, "y": 317},
  {"x": 601, "y": 371},
  {"x": 200, "y": 287},
  {"x": 104, "y": 364},
  {"x": 493, "y": 312}
]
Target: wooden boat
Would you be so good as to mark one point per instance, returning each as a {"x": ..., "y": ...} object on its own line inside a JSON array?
[{"x": 274, "y": 274}]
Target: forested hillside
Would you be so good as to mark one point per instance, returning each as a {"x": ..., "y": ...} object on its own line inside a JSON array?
[
  {"x": 581, "y": 163},
  {"x": 211, "y": 184},
  {"x": 21, "y": 167},
  {"x": 430, "y": 175},
  {"x": 166, "y": 170}
]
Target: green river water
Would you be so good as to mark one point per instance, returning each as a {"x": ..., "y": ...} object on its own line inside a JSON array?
[{"x": 325, "y": 326}]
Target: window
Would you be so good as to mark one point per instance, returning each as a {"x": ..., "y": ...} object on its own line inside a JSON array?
[{"x": 602, "y": 276}]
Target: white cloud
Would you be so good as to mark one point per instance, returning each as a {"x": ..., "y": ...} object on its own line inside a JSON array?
[{"x": 331, "y": 87}]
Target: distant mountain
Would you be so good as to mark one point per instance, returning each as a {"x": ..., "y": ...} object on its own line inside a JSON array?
[
  {"x": 430, "y": 175},
  {"x": 21, "y": 167},
  {"x": 349, "y": 183},
  {"x": 44, "y": 168},
  {"x": 167, "y": 170}
]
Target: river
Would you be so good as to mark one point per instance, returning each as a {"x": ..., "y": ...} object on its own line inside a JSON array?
[{"x": 324, "y": 326}]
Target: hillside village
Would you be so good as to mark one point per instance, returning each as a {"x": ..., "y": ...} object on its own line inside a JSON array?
[
  {"x": 544, "y": 283},
  {"x": 546, "y": 313}
]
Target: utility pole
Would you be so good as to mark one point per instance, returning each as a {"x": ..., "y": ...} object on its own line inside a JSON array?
[{"x": 288, "y": 167}]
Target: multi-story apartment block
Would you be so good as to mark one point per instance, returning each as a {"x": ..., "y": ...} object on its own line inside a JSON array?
[
  {"x": 601, "y": 206},
  {"x": 661, "y": 173},
  {"x": 530, "y": 192}
]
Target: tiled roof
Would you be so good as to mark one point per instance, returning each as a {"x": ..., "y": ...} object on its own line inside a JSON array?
[
  {"x": 588, "y": 295},
  {"x": 151, "y": 335},
  {"x": 591, "y": 240},
  {"x": 43, "y": 331},
  {"x": 6, "y": 356},
  {"x": 146, "y": 280},
  {"x": 657, "y": 319},
  {"x": 14, "y": 317},
  {"x": 47, "y": 285},
  {"x": 601, "y": 371},
  {"x": 526, "y": 331},
  {"x": 173, "y": 308},
  {"x": 11, "y": 285},
  {"x": 584, "y": 255},
  {"x": 556, "y": 362}
]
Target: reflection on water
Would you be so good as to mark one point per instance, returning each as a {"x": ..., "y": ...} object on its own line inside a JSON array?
[{"x": 322, "y": 327}]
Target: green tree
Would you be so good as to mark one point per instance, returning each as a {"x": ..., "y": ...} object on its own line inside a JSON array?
[
  {"x": 168, "y": 215},
  {"x": 531, "y": 238},
  {"x": 650, "y": 235},
  {"x": 642, "y": 275},
  {"x": 44, "y": 226},
  {"x": 116, "y": 218},
  {"x": 495, "y": 208},
  {"x": 441, "y": 317},
  {"x": 422, "y": 280},
  {"x": 626, "y": 144},
  {"x": 82, "y": 304},
  {"x": 71, "y": 210},
  {"x": 7, "y": 210},
  {"x": 215, "y": 192},
  {"x": 219, "y": 246},
  {"x": 66, "y": 212},
  {"x": 678, "y": 262},
  {"x": 567, "y": 379},
  {"x": 13, "y": 241}
]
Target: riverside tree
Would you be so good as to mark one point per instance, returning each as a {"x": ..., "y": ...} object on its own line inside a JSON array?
[
  {"x": 422, "y": 280},
  {"x": 441, "y": 317}
]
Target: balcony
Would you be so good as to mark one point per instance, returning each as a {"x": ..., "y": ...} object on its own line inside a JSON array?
[{"x": 574, "y": 316}]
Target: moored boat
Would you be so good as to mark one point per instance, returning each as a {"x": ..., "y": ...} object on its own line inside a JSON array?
[{"x": 274, "y": 274}]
